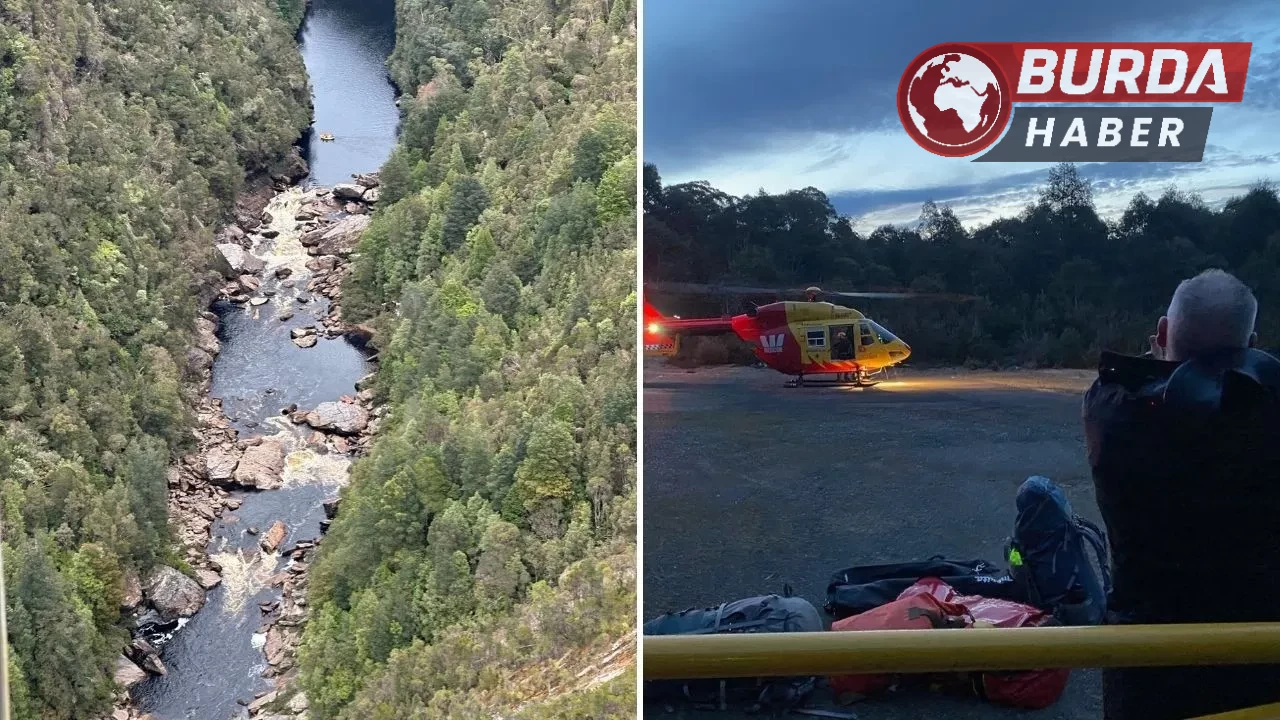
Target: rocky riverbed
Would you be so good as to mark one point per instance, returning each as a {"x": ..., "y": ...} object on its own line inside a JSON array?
[{"x": 251, "y": 503}]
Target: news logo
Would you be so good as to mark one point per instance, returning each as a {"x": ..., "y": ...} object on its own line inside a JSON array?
[{"x": 957, "y": 99}]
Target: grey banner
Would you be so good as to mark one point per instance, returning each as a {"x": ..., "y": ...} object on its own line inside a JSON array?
[{"x": 1109, "y": 134}]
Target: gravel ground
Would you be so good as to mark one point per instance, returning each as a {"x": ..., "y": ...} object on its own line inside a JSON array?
[{"x": 749, "y": 485}]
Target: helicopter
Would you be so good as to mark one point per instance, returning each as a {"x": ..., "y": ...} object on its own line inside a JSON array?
[{"x": 799, "y": 338}]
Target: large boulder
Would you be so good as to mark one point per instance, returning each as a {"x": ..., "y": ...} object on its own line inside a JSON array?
[
  {"x": 325, "y": 263},
  {"x": 128, "y": 674},
  {"x": 198, "y": 362},
  {"x": 233, "y": 261},
  {"x": 145, "y": 656},
  {"x": 347, "y": 191},
  {"x": 360, "y": 335},
  {"x": 368, "y": 180},
  {"x": 207, "y": 336},
  {"x": 295, "y": 167},
  {"x": 173, "y": 594},
  {"x": 274, "y": 535},
  {"x": 339, "y": 417},
  {"x": 233, "y": 234},
  {"x": 341, "y": 239},
  {"x": 220, "y": 465},
  {"x": 208, "y": 579},
  {"x": 132, "y": 596},
  {"x": 261, "y": 465}
]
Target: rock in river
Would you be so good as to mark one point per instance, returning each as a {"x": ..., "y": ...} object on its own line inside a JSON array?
[
  {"x": 233, "y": 261},
  {"x": 261, "y": 465},
  {"x": 220, "y": 465},
  {"x": 306, "y": 341},
  {"x": 128, "y": 674},
  {"x": 248, "y": 283},
  {"x": 338, "y": 417},
  {"x": 173, "y": 594},
  {"x": 275, "y": 535},
  {"x": 208, "y": 579},
  {"x": 342, "y": 237},
  {"x": 145, "y": 656},
  {"x": 348, "y": 191}
]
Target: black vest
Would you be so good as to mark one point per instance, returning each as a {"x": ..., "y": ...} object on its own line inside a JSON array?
[{"x": 1186, "y": 467}]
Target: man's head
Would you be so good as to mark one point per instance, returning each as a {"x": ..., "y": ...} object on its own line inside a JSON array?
[{"x": 1211, "y": 311}]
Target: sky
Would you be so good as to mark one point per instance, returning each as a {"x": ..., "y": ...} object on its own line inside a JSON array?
[{"x": 777, "y": 95}]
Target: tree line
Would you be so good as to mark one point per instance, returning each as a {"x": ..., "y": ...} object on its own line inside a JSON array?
[{"x": 1052, "y": 286}]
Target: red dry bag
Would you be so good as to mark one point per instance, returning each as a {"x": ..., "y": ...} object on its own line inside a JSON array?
[{"x": 931, "y": 604}]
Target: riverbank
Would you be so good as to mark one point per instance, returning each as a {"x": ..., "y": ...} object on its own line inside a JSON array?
[{"x": 281, "y": 264}]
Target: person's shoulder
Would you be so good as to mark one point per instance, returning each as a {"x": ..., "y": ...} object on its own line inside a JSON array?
[{"x": 1125, "y": 379}]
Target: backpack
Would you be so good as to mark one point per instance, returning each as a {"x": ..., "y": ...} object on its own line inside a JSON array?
[
  {"x": 1048, "y": 560},
  {"x": 859, "y": 589},
  {"x": 767, "y": 613},
  {"x": 932, "y": 604}
]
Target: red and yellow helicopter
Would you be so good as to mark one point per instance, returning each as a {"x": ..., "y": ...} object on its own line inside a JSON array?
[{"x": 800, "y": 338}]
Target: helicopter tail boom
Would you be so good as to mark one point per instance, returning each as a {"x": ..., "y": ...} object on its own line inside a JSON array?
[{"x": 656, "y": 324}]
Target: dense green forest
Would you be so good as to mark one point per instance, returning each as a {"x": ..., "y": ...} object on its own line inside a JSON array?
[
  {"x": 1053, "y": 286},
  {"x": 490, "y": 531},
  {"x": 126, "y": 130}
]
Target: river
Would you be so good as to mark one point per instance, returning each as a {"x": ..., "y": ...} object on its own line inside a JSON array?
[
  {"x": 345, "y": 44},
  {"x": 215, "y": 661}
]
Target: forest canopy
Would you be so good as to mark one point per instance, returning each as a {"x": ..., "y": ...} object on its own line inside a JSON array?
[
  {"x": 1055, "y": 285},
  {"x": 126, "y": 130},
  {"x": 491, "y": 528}
]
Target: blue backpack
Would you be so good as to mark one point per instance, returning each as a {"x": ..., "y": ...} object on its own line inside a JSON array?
[
  {"x": 764, "y": 614},
  {"x": 1047, "y": 556}
]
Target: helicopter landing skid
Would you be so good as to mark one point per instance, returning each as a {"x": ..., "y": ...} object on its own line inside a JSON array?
[{"x": 801, "y": 382}]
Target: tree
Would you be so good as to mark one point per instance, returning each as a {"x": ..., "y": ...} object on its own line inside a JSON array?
[
  {"x": 1065, "y": 189},
  {"x": 616, "y": 196},
  {"x": 469, "y": 199},
  {"x": 501, "y": 292}
]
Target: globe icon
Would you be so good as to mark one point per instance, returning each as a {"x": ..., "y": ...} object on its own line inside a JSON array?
[{"x": 955, "y": 100}]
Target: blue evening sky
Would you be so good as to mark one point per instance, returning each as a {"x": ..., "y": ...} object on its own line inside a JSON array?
[{"x": 784, "y": 94}]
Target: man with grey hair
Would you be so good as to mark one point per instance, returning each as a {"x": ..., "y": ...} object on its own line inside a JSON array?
[
  {"x": 1184, "y": 448},
  {"x": 1210, "y": 312}
]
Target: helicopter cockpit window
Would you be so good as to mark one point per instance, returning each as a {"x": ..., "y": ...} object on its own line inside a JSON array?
[
  {"x": 885, "y": 336},
  {"x": 817, "y": 339},
  {"x": 865, "y": 333}
]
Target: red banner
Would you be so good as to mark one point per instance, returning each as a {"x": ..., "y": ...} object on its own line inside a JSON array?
[{"x": 1187, "y": 72}]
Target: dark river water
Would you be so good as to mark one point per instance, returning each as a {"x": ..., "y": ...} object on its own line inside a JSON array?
[
  {"x": 215, "y": 660},
  {"x": 345, "y": 44}
]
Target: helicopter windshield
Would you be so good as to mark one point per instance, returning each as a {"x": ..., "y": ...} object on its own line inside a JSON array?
[{"x": 885, "y": 336}]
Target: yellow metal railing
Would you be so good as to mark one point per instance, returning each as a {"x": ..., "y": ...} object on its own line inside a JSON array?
[
  {"x": 913, "y": 651},
  {"x": 1262, "y": 712}
]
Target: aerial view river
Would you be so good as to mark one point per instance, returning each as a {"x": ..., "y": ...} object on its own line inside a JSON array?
[{"x": 217, "y": 661}]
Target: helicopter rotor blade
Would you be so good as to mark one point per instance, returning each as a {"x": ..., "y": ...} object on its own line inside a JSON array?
[
  {"x": 705, "y": 289},
  {"x": 872, "y": 295}
]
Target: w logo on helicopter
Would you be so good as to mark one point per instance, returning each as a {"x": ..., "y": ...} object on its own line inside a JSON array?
[{"x": 772, "y": 343}]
